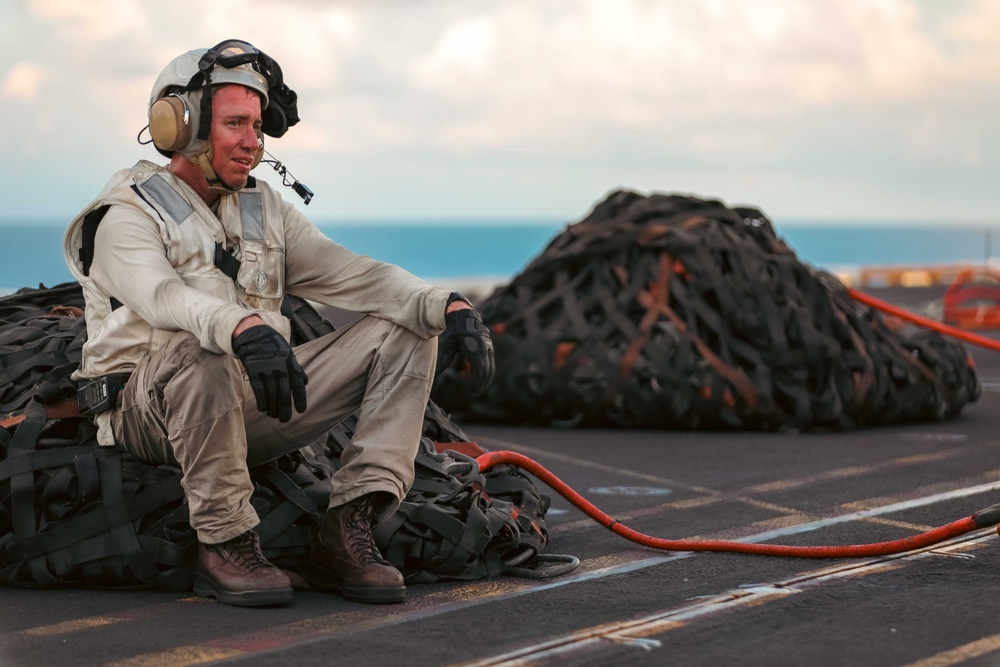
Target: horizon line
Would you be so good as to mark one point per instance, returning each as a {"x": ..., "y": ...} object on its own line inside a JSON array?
[{"x": 451, "y": 220}]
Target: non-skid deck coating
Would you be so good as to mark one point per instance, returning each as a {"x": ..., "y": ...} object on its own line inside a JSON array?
[{"x": 628, "y": 605}]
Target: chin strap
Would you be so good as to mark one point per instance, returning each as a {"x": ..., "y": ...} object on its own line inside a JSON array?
[
  {"x": 214, "y": 182},
  {"x": 204, "y": 160}
]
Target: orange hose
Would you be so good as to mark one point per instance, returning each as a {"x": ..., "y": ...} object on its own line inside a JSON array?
[
  {"x": 940, "y": 327},
  {"x": 987, "y": 517}
]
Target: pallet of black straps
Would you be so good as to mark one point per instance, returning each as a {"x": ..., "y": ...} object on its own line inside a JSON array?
[
  {"x": 457, "y": 522},
  {"x": 73, "y": 513},
  {"x": 670, "y": 311}
]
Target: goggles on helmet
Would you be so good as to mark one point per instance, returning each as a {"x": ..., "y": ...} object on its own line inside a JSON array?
[
  {"x": 282, "y": 108},
  {"x": 229, "y": 54}
]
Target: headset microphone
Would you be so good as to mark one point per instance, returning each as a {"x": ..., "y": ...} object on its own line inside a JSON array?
[{"x": 301, "y": 189}]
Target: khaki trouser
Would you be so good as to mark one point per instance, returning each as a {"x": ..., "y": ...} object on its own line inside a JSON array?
[{"x": 189, "y": 407}]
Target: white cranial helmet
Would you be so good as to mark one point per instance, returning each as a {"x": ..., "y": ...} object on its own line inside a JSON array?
[{"x": 179, "y": 115}]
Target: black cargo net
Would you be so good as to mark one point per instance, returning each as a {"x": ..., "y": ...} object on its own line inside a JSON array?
[{"x": 670, "y": 311}]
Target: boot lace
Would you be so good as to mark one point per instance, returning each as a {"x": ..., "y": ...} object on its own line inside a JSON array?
[
  {"x": 245, "y": 551},
  {"x": 360, "y": 526}
]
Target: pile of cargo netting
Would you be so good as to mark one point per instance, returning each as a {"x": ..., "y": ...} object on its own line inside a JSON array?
[{"x": 669, "y": 311}]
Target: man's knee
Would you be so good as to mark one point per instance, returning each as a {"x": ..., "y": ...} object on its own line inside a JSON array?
[
  {"x": 399, "y": 343},
  {"x": 196, "y": 376},
  {"x": 417, "y": 354}
]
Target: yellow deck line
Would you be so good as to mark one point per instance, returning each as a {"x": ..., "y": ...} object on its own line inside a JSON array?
[
  {"x": 70, "y": 626},
  {"x": 182, "y": 655},
  {"x": 961, "y": 654},
  {"x": 77, "y": 625}
]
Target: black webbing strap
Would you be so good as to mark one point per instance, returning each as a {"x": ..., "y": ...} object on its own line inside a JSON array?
[
  {"x": 69, "y": 486},
  {"x": 56, "y": 385},
  {"x": 22, "y": 485},
  {"x": 97, "y": 520},
  {"x": 93, "y": 557},
  {"x": 465, "y": 540},
  {"x": 39, "y": 459},
  {"x": 19, "y": 334},
  {"x": 20, "y": 343},
  {"x": 444, "y": 537},
  {"x": 91, "y": 222},
  {"x": 432, "y": 487},
  {"x": 511, "y": 485},
  {"x": 39, "y": 360},
  {"x": 440, "y": 483},
  {"x": 122, "y": 530},
  {"x": 296, "y": 504},
  {"x": 28, "y": 301},
  {"x": 226, "y": 261}
]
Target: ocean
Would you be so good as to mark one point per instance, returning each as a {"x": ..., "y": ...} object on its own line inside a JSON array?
[{"x": 492, "y": 250}]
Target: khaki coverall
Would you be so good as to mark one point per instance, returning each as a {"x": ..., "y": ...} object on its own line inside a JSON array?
[{"x": 188, "y": 400}]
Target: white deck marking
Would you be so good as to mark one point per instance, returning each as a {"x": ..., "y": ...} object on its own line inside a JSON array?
[{"x": 637, "y": 632}]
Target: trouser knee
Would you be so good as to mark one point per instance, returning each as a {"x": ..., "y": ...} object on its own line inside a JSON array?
[
  {"x": 203, "y": 382},
  {"x": 415, "y": 354}
]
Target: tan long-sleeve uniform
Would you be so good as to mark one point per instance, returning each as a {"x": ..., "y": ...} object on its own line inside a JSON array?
[{"x": 188, "y": 400}]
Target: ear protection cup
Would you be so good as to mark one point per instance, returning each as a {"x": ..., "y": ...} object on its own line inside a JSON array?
[
  {"x": 259, "y": 155},
  {"x": 170, "y": 123},
  {"x": 274, "y": 120}
]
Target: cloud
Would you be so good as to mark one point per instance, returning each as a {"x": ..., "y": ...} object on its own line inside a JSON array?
[
  {"x": 23, "y": 82},
  {"x": 465, "y": 52},
  {"x": 545, "y": 79},
  {"x": 976, "y": 32},
  {"x": 93, "y": 21},
  {"x": 543, "y": 76},
  {"x": 576, "y": 93}
]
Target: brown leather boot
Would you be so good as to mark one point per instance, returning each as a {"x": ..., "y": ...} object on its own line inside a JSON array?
[
  {"x": 344, "y": 557},
  {"x": 236, "y": 572}
]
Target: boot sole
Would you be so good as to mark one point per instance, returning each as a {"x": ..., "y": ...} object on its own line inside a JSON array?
[
  {"x": 206, "y": 588},
  {"x": 323, "y": 580}
]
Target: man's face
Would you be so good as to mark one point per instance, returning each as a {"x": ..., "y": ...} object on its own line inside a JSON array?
[{"x": 235, "y": 123}]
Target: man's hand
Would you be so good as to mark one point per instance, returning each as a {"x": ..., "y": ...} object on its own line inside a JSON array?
[
  {"x": 275, "y": 374},
  {"x": 465, "y": 333}
]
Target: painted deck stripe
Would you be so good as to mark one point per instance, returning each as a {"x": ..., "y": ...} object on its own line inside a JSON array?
[
  {"x": 137, "y": 614},
  {"x": 745, "y": 495},
  {"x": 876, "y": 511},
  {"x": 961, "y": 654},
  {"x": 183, "y": 655},
  {"x": 637, "y": 632},
  {"x": 69, "y": 626},
  {"x": 782, "y": 522},
  {"x": 757, "y": 489},
  {"x": 329, "y": 627}
]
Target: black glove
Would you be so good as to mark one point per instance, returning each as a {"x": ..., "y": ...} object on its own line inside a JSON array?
[
  {"x": 465, "y": 332},
  {"x": 275, "y": 374}
]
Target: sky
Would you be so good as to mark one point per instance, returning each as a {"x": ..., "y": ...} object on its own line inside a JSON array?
[{"x": 837, "y": 110}]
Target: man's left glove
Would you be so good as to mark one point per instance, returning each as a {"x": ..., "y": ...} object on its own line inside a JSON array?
[
  {"x": 275, "y": 373},
  {"x": 465, "y": 333}
]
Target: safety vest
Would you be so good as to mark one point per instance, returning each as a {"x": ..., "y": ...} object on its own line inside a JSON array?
[{"x": 248, "y": 231}]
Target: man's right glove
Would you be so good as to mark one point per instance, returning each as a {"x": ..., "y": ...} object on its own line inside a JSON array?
[
  {"x": 465, "y": 333},
  {"x": 275, "y": 373}
]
